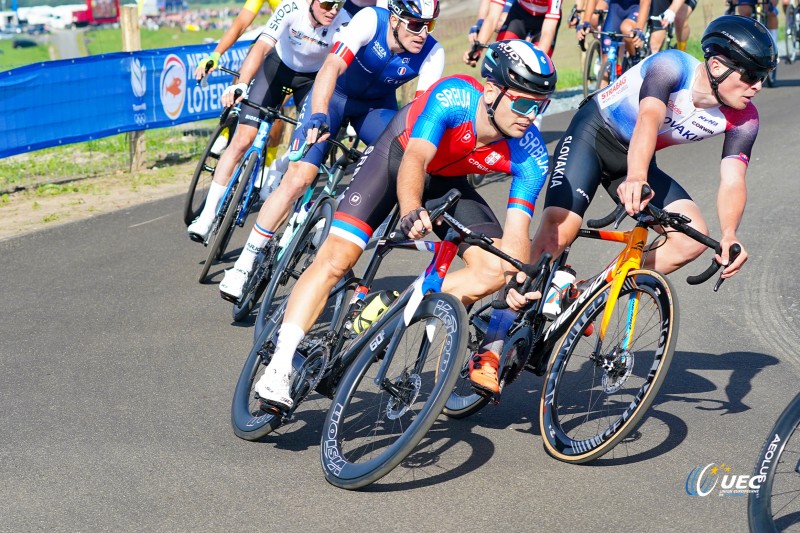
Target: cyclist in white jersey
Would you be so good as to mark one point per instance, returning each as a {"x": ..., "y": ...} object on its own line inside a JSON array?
[
  {"x": 295, "y": 43},
  {"x": 670, "y": 98}
]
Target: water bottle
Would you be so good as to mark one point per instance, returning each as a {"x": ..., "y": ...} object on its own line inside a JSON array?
[
  {"x": 564, "y": 278},
  {"x": 221, "y": 142},
  {"x": 374, "y": 309}
]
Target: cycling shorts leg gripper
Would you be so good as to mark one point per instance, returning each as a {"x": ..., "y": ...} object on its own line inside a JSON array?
[
  {"x": 371, "y": 195},
  {"x": 517, "y": 24},
  {"x": 268, "y": 88}
]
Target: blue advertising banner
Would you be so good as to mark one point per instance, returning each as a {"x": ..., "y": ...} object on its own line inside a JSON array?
[{"x": 73, "y": 100}]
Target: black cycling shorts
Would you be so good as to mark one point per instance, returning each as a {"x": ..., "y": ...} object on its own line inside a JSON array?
[
  {"x": 589, "y": 155},
  {"x": 268, "y": 87},
  {"x": 372, "y": 193},
  {"x": 520, "y": 24}
]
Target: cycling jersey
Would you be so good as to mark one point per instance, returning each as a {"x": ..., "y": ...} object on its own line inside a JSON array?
[
  {"x": 300, "y": 45},
  {"x": 354, "y": 6},
  {"x": 254, "y": 6},
  {"x": 669, "y": 76},
  {"x": 550, "y": 9},
  {"x": 443, "y": 116},
  {"x": 373, "y": 70},
  {"x": 594, "y": 149}
]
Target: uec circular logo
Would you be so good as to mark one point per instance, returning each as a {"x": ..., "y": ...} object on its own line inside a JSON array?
[{"x": 173, "y": 86}]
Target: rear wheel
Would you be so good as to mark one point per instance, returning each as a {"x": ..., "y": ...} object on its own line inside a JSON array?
[
  {"x": 296, "y": 257},
  {"x": 371, "y": 428},
  {"x": 773, "y": 506},
  {"x": 793, "y": 47},
  {"x": 222, "y": 232},
  {"x": 204, "y": 171},
  {"x": 591, "y": 68},
  {"x": 603, "y": 75},
  {"x": 597, "y": 390}
]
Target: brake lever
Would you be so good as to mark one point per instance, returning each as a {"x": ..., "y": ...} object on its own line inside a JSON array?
[{"x": 733, "y": 253}]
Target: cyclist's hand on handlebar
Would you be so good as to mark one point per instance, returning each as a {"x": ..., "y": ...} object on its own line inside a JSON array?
[
  {"x": 229, "y": 97},
  {"x": 630, "y": 195},
  {"x": 667, "y": 18},
  {"x": 416, "y": 223},
  {"x": 582, "y": 30},
  {"x": 731, "y": 267},
  {"x": 638, "y": 37},
  {"x": 203, "y": 69},
  {"x": 514, "y": 299},
  {"x": 312, "y": 126},
  {"x": 472, "y": 56}
]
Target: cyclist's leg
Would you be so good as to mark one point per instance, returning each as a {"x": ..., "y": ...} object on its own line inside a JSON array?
[
  {"x": 611, "y": 23},
  {"x": 352, "y": 227},
  {"x": 745, "y": 8},
  {"x": 514, "y": 26},
  {"x": 682, "y": 29},
  {"x": 627, "y": 26}
]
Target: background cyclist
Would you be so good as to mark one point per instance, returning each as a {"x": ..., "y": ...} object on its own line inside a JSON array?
[
  {"x": 456, "y": 128},
  {"x": 295, "y": 43},
  {"x": 378, "y": 52}
]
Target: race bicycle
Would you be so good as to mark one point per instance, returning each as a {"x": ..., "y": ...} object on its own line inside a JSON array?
[
  {"x": 792, "y": 31},
  {"x": 336, "y": 339},
  {"x": 612, "y": 344},
  {"x": 775, "y": 505},
  {"x": 242, "y": 191}
]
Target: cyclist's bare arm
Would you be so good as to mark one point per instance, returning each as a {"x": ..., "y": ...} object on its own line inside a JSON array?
[
  {"x": 516, "y": 240},
  {"x": 652, "y": 112},
  {"x": 644, "y": 10},
  {"x": 411, "y": 182},
  {"x": 586, "y": 17},
  {"x": 548, "y": 35},
  {"x": 487, "y": 30},
  {"x": 731, "y": 201},
  {"x": 324, "y": 85},
  {"x": 238, "y": 27},
  {"x": 483, "y": 12}
]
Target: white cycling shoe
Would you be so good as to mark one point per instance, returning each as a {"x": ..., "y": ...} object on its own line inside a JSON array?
[
  {"x": 199, "y": 230},
  {"x": 232, "y": 285},
  {"x": 275, "y": 388}
]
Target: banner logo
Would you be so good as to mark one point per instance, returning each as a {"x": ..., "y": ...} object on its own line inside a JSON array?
[
  {"x": 173, "y": 86},
  {"x": 702, "y": 481},
  {"x": 138, "y": 78}
]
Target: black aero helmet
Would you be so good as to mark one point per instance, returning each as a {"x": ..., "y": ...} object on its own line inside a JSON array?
[
  {"x": 521, "y": 66},
  {"x": 743, "y": 41}
]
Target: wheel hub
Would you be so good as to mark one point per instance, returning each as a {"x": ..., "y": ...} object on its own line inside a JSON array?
[
  {"x": 617, "y": 368},
  {"x": 404, "y": 394}
]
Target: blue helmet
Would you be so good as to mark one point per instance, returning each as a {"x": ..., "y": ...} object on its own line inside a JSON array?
[
  {"x": 416, "y": 9},
  {"x": 519, "y": 65}
]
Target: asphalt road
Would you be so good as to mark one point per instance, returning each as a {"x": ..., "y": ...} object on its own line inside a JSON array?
[{"x": 117, "y": 370}]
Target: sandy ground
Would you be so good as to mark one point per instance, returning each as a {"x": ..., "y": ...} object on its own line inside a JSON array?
[{"x": 27, "y": 211}]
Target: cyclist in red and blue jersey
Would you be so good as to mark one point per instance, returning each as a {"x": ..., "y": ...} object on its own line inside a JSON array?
[
  {"x": 455, "y": 128},
  {"x": 670, "y": 98},
  {"x": 379, "y": 51}
]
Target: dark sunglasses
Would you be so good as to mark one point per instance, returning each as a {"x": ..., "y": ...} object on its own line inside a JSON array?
[
  {"x": 750, "y": 77},
  {"x": 417, "y": 25},
  {"x": 327, "y": 6},
  {"x": 524, "y": 105}
]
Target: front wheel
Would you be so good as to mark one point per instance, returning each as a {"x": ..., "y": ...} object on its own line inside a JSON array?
[
  {"x": 370, "y": 428},
  {"x": 591, "y": 68},
  {"x": 604, "y": 75},
  {"x": 772, "y": 506},
  {"x": 597, "y": 389}
]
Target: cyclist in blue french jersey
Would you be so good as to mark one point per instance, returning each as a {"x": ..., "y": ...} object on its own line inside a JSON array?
[
  {"x": 379, "y": 51},
  {"x": 455, "y": 128},
  {"x": 670, "y": 98}
]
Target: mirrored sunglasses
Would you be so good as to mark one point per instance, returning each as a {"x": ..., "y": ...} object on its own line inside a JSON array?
[
  {"x": 750, "y": 77},
  {"x": 524, "y": 105},
  {"x": 417, "y": 25},
  {"x": 327, "y": 6}
]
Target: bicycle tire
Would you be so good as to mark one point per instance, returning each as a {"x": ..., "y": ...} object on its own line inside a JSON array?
[
  {"x": 297, "y": 256},
  {"x": 222, "y": 232},
  {"x": 204, "y": 172},
  {"x": 605, "y": 67},
  {"x": 774, "y": 470},
  {"x": 795, "y": 24},
  {"x": 592, "y": 67},
  {"x": 637, "y": 376},
  {"x": 463, "y": 400},
  {"x": 788, "y": 33},
  {"x": 404, "y": 420}
]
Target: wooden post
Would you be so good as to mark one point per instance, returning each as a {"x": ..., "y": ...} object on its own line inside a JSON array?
[
  {"x": 708, "y": 13},
  {"x": 131, "y": 42}
]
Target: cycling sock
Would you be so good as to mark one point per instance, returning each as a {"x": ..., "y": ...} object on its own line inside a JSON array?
[
  {"x": 215, "y": 192},
  {"x": 272, "y": 153},
  {"x": 681, "y": 46},
  {"x": 289, "y": 338},
  {"x": 255, "y": 243},
  {"x": 496, "y": 332},
  {"x": 774, "y": 34}
]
